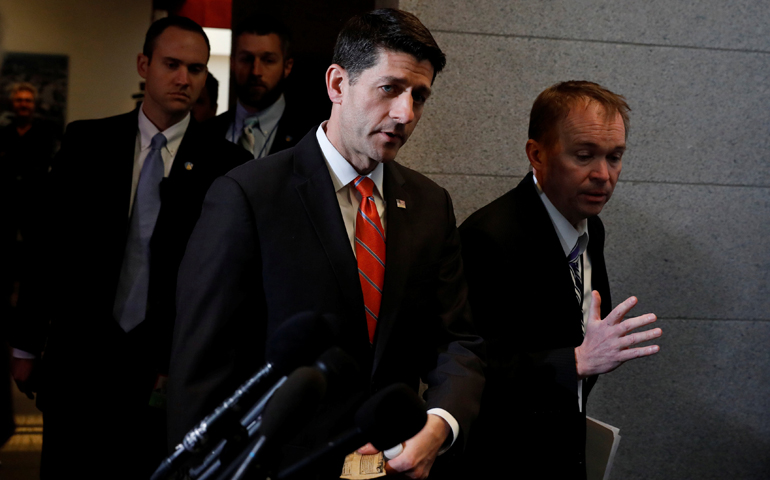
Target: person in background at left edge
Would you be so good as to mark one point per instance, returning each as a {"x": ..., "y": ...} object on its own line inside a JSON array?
[{"x": 125, "y": 193}]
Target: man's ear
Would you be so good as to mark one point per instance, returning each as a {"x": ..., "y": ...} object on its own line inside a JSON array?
[
  {"x": 536, "y": 153},
  {"x": 336, "y": 82},
  {"x": 287, "y": 67},
  {"x": 142, "y": 63}
]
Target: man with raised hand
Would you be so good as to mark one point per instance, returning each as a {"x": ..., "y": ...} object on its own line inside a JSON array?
[{"x": 538, "y": 284}]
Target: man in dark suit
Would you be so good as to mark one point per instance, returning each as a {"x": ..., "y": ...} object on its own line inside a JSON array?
[
  {"x": 125, "y": 193},
  {"x": 264, "y": 121},
  {"x": 539, "y": 289},
  {"x": 276, "y": 237}
]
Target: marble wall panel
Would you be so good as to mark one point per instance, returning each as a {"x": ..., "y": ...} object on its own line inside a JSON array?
[
  {"x": 690, "y": 251},
  {"x": 697, "y": 409},
  {"x": 738, "y": 24},
  {"x": 698, "y": 116}
]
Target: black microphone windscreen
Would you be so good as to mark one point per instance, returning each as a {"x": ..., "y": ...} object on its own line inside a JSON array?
[
  {"x": 390, "y": 416},
  {"x": 339, "y": 367},
  {"x": 298, "y": 341},
  {"x": 293, "y": 404}
]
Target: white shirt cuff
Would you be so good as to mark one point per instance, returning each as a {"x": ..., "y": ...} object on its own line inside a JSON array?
[
  {"x": 440, "y": 412},
  {"x": 22, "y": 354}
]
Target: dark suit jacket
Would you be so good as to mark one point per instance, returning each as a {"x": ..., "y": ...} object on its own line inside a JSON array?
[
  {"x": 271, "y": 242},
  {"x": 294, "y": 124},
  {"x": 524, "y": 306},
  {"x": 91, "y": 368}
]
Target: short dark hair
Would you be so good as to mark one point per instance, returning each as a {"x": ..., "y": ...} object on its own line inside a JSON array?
[
  {"x": 160, "y": 26},
  {"x": 265, "y": 24},
  {"x": 363, "y": 36},
  {"x": 212, "y": 87},
  {"x": 555, "y": 102}
]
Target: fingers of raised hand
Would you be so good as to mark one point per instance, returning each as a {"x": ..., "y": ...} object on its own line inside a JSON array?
[
  {"x": 639, "y": 352},
  {"x": 633, "y": 323},
  {"x": 640, "y": 337},
  {"x": 617, "y": 314},
  {"x": 596, "y": 306}
]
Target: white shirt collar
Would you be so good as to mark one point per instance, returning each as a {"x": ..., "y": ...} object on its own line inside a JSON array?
[
  {"x": 568, "y": 235},
  {"x": 268, "y": 118},
  {"x": 342, "y": 172},
  {"x": 173, "y": 134}
]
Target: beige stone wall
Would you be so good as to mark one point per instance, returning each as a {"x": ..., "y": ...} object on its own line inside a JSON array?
[
  {"x": 689, "y": 224},
  {"x": 101, "y": 38}
]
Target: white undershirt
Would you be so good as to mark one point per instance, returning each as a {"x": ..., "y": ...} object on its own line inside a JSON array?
[
  {"x": 568, "y": 236},
  {"x": 342, "y": 173}
]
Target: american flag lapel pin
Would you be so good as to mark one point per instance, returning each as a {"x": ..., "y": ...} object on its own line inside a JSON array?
[{"x": 400, "y": 203}]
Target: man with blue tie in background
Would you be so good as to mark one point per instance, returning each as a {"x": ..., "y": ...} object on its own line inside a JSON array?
[{"x": 124, "y": 195}]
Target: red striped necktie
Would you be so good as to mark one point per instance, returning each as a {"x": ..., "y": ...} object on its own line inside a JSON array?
[{"x": 370, "y": 252}]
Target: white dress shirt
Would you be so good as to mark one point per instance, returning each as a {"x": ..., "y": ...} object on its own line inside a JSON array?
[
  {"x": 342, "y": 173},
  {"x": 268, "y": 124},
  {"x": 568, "y": 237}
]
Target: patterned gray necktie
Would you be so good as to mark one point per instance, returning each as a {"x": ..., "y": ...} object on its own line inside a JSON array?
[
  {"x": 575, "y": 268},
  {"x": 251, "y": 135},
  {"x": 131, "y": 298}
]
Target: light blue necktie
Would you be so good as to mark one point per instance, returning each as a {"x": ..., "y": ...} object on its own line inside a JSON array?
[{"x": 131, "y": 298}]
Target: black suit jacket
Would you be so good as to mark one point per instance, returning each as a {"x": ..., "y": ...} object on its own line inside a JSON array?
[
  {"x": 524, "y": 306},
  {"x": 294, "y": 124},
  {"x": 271, "y": 242},
  {"x": 91, "y": 368}
]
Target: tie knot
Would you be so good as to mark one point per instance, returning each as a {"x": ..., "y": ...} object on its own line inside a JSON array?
[
  {"x": 251, "y": 123},
  {"x": 364, "y": 185},
  {"x": 576, "y": 250},
  {"x": 158, "y": 141}
]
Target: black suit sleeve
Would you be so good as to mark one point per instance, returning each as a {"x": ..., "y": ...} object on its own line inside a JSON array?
[
  {"x": 457, "y": 381},
  {"x": 499, "y": 311},
  {"x": 215, "y": 279},
  {"x": 30, "y": 329}
]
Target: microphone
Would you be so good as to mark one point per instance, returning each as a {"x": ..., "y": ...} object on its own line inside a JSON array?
[
  {"x": 296, "y": 342},
  {"x": 335, "y": 365},
  {"x": 290, "y": 408},
  {"x": 389, "y": 417}
]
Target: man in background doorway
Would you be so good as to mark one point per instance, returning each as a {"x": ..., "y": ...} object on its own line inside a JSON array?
[
  {"x": 263, "y": 121},
  {"x": 206, "y": 105}
]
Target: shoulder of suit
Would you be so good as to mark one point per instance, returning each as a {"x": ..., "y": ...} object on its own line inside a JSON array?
[
  {"x": 117, "y": 121},
  {"x": 413, "y": 177}
]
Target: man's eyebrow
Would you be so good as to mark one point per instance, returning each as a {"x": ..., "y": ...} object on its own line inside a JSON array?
[
  {"x": 402, "y": 81},
  {"x": 588, "y": 143},
  {"x": 176, "y": 60}
]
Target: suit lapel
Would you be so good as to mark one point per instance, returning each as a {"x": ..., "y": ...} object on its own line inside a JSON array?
[
  {"x": 124, "y": 134},
  {"x": 316, "y": 191},
  {"x": 397, "y": 256},
  {"x": 546, "y": 247}
]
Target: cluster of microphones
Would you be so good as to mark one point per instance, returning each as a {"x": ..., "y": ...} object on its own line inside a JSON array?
[{"x": 242, "y": 436}]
